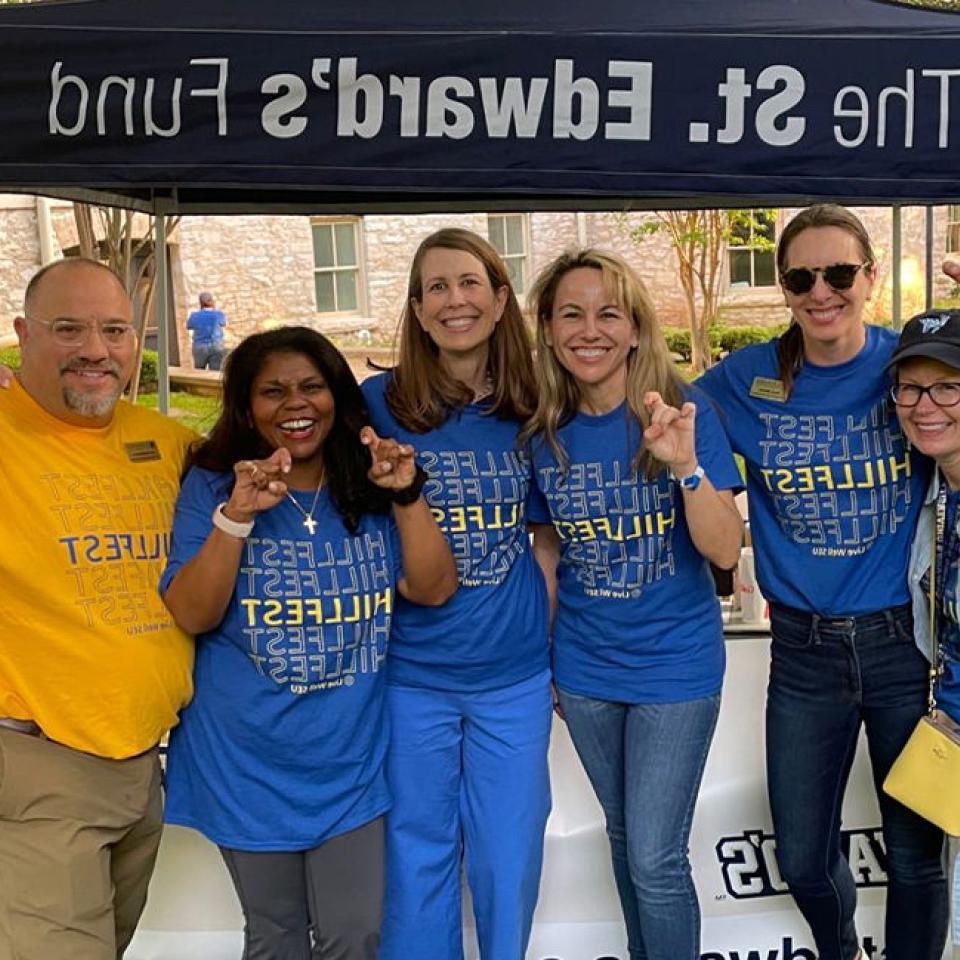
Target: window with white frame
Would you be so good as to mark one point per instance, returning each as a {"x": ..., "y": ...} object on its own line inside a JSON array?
[
  {"x": 953, "y": 228},
  {"x": 336, "y": 265},
  {"x": 508, "y": 234},
  {"x": 751, "y": 258}
]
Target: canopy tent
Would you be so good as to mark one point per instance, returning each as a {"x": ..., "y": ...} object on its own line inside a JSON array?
[{"x": 229, "y": 105}]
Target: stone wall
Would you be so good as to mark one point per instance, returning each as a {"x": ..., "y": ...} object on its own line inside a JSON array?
[
  {"x": 260, "y": 268},
  {"x": 19, "y": 255}
]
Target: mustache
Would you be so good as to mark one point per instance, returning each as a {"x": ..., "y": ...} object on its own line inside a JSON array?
[{"x": 105, "y": 366}]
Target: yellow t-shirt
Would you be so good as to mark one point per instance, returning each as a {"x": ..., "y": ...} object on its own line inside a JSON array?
[{"x": 87, "y": 648}]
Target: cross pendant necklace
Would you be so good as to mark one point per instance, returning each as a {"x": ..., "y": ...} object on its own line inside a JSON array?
[{"x": 308, "y": 520}]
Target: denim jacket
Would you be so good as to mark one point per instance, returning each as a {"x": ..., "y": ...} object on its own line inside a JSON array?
[{"x": 921, "y": 555}]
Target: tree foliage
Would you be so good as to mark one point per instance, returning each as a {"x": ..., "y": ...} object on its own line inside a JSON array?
[
  {"x": 124, "y": 241},
  {"x": 700, "y": 239}
]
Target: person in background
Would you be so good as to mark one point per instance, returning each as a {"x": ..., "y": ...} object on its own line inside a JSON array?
[
  {"x": 834, "y": 496},
  {"x": 296, "y": 529},
  {"x": 206, "y": 326},
  {"x": 469, "y": 683},
  {"x": 93, "y": 669},
  {"x": 639, "y": 480}
]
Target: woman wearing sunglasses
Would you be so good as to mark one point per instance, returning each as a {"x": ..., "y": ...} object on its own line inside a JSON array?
[{"x": 834, "y": 497}]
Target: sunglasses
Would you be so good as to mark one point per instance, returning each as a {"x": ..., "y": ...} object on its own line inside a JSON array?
[{"x": 839, "y": 276}]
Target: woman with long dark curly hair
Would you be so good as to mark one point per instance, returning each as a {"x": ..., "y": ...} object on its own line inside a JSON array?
[{"x": 296, "y": 528}]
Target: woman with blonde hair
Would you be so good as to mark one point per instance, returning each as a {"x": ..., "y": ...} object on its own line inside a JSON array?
[
  {"x": 834, "y": 495},
  {"x": 468, "y": 691},
  {"x": 638, "y": 477}
]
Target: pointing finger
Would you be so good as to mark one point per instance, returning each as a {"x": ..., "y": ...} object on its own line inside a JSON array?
[
  {"x": 281, "y": 458},
  {"x": 652, "y": 400}
]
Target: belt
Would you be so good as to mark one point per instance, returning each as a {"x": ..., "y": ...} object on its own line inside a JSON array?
[
  {"x": 30, "y": 727},
  {"x": 863, "y": 620}
]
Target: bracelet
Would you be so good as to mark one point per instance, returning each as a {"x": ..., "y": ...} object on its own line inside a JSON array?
[
  {"x": 232, "y": 528},
  {"x": 690, "y": 482},
  {"x": 411, "y": 494}
]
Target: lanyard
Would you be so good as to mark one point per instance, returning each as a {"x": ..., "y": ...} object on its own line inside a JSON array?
[{"x": 945, "y": 545}]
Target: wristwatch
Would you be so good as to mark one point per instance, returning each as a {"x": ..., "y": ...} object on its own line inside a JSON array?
[
  {"x": 691, "y": 481},
  {"x": 233, "y": 528}
]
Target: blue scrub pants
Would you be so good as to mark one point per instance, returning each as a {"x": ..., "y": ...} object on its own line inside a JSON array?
[{"x": 469, "y": 777}]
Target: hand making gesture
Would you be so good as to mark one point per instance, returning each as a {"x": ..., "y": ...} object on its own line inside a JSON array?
[
  {"x": 394, "y": 466},
  {"x": 671, "y": 435},
  {"x": 259, "y": 485}
]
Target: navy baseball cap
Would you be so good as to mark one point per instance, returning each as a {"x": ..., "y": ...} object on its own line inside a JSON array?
[{"x": 934, "y": 335}]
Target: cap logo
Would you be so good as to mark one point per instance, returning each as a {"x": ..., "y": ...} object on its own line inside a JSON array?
[{"x": 933, "y": 324}]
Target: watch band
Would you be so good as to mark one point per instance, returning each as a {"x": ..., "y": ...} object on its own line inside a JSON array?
[
  {"x": 411, "y": 494},
  {"x": 691, "y": 481},
  {"x": 232, "y": 528}
]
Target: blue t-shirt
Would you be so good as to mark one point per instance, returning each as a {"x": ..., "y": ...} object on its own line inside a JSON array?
[
  {"x": 493, "y": 631},
  {"x": 207, "y": 326},
  {"x": 283, "y": 745},
  {"x": 834, "y": 492},
  {"x": 638, "y": 620}
]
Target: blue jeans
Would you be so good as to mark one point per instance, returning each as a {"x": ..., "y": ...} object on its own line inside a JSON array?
[
  {"x": 469, "y": 777},
  {"x": 645, "y": 762},
  {"x": 208, "y": 356},
  {"x": 827, "y": 677}
]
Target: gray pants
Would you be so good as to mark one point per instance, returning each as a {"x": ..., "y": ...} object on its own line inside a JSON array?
[{"x": 319, "y": 904}]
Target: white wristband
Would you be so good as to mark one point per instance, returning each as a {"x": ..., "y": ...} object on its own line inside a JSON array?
[
  {"x": 231, "y": 527},
  {"x": 692, "y": 480}
]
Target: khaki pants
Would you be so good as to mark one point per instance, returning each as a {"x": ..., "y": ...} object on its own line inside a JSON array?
[{"x": 78, "y": 840}]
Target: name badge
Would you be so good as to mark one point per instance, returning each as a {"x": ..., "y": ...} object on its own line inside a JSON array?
[
  {"x": 766, "y": 388},
  {"x": 141, "y": 451}
]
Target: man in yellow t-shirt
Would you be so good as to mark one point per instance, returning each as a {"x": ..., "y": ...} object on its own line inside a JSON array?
[{"x": 92, "y": 668}]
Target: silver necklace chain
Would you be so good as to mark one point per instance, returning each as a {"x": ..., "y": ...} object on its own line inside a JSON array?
[{"x": 308, "y": 520}]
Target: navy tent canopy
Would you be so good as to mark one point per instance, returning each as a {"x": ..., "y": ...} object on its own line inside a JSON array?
[{"x": 372, "y": 105}]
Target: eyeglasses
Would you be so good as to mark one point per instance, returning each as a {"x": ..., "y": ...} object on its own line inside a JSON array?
[
  {"x": 73, "y": 333},
  {"x": 839, "y": 276},
  {"x": 942, "y": 393}
]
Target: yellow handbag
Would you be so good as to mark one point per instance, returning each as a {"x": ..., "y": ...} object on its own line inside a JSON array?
[{"x": 926, "y": 775}]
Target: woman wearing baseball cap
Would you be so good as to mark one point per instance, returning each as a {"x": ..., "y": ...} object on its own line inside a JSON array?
[{"x": 926, "y": 390}]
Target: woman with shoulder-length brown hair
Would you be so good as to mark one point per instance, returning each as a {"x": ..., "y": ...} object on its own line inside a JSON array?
[
  {"x": 428, "y": 381},
  {"x": 834, "y": 494},
  {"x": 638, "y": 477},
  {"x": 468, "y": 689}
]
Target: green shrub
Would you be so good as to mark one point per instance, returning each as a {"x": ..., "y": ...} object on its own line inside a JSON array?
[
  {"x": 733, "y": 338},
  {"x": 149, "y": 367},
  {"x": 10, "y": 357},
  {"x": 723, "y": 339},
  {"x": 678, "y": 340}
]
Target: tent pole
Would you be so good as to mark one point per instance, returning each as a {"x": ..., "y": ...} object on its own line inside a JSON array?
[
  {"x": 897, "y": 253},
  {"x": 160, "y": 302},
  {"x": 928, "y": 258}
]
